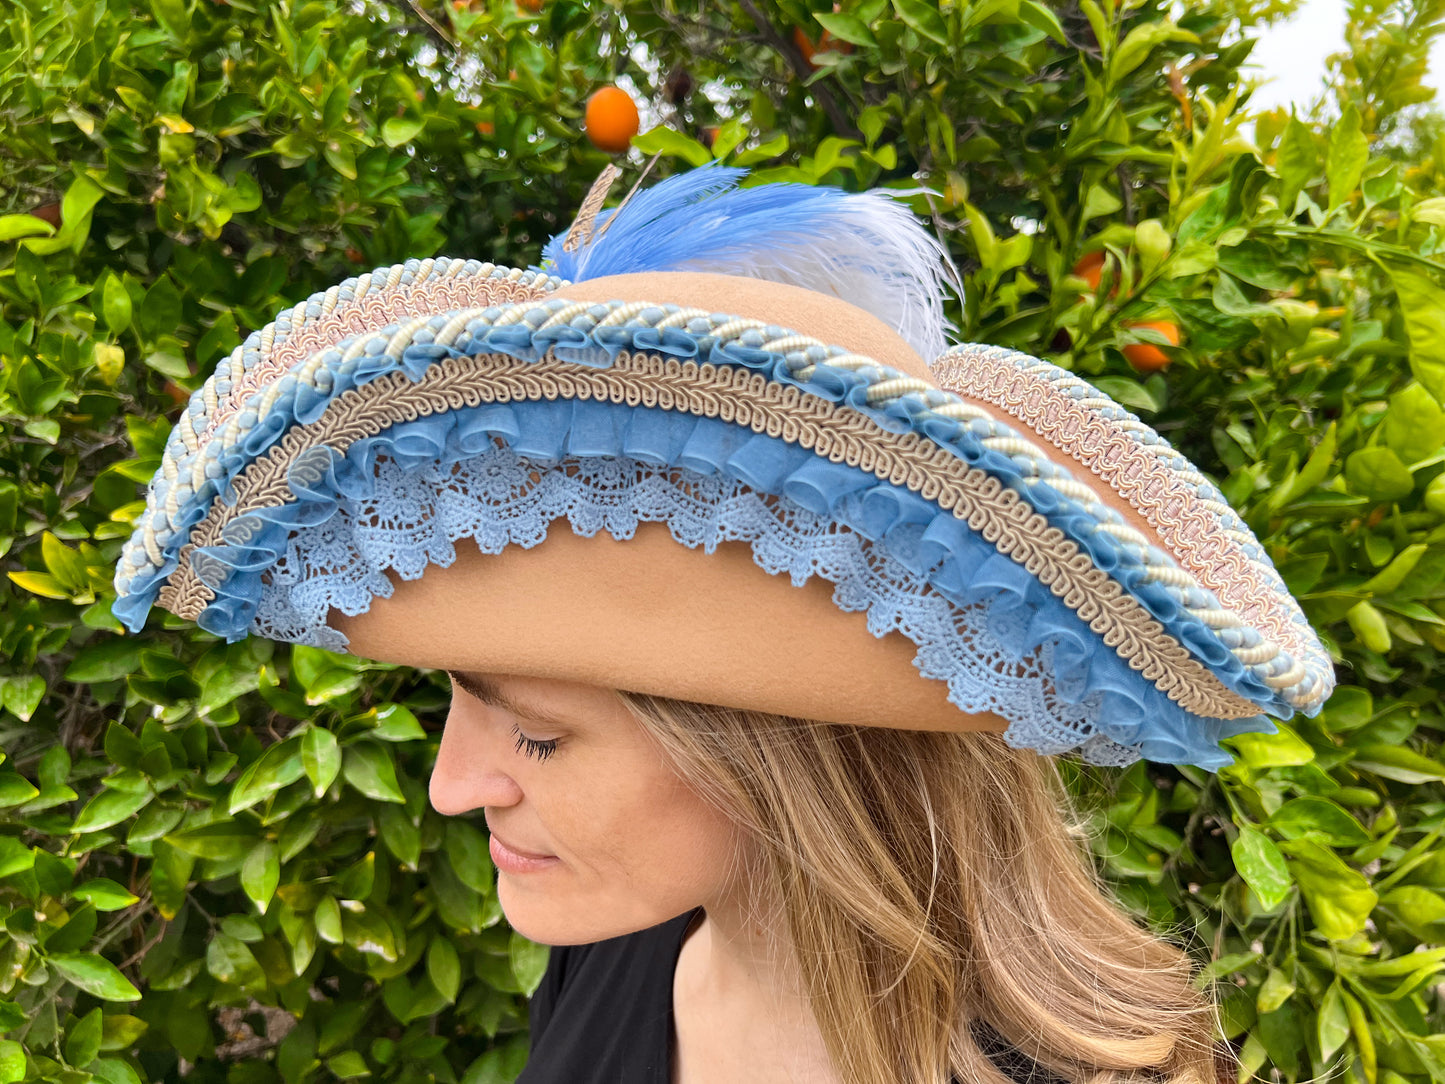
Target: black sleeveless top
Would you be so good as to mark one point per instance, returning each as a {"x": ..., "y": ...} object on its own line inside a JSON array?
[{"x": 603, "y": 1014}]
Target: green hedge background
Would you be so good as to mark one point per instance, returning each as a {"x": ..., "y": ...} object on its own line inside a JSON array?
[{"x": 217, "y": 861}]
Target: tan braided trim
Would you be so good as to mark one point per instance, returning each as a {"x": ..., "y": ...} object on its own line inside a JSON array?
[
  {"x": 378, "y": 309},
  {"x": 748, "y": 399},
  {"x": 581, "y": 231},
  {"x": 1191, "y": 533}
]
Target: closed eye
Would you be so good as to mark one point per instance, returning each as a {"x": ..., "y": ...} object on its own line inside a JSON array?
[{"x": 533, "y": 747}]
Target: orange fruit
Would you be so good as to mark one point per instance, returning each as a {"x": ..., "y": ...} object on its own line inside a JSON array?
[
  {"x": 1146, "y": 357},
  {"x": 826, "y": 43},
  {"x": 532, "y": 6},
  {"x": 355, "y": 255},
  {"x": 48, "y": 212},
  {"x": 612, "y": 119},
  {"x": 805, "y": 46},
  {"x": 486, "y": 127},
  {"x": 1091, "y": 268}
]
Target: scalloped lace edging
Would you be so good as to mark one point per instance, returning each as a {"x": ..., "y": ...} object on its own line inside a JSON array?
[{"x": 498, "y": 499}]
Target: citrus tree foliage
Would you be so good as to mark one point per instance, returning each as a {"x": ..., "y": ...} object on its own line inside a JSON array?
[{"x": 218, "y": 862}]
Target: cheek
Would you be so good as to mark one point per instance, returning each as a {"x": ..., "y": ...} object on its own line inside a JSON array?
[
  {"x": 676, "y": 839},
  {"x": 635, "y": 855}
]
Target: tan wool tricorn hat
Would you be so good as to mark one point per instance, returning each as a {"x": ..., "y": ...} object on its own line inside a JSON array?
[{"x": 600, "y": 469}]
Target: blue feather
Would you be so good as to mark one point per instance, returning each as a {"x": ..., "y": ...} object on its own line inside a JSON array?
[{"x": 863, "y": 247}]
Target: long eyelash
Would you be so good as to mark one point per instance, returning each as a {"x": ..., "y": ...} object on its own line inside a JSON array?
[{"x": 532, "y": 747}]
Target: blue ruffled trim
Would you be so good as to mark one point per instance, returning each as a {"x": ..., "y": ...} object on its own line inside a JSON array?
[
  {"x": 598, "y": 346},
  {"x": 932, "y": 544}
]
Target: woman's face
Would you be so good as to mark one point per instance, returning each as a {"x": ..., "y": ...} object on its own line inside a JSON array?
[{"x": 594, "y": 835}]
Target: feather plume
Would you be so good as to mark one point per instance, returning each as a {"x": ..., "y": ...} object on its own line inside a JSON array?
[{"x": 863, "y": 247}]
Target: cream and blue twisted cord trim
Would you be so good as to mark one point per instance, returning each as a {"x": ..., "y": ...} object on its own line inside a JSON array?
[{"x": 589, "y": 334}]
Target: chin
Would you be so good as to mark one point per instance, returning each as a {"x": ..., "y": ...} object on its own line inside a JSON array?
[{"x": 556, "y": 918}]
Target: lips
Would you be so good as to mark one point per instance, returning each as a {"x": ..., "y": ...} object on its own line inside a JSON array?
[
  {"x": 521, "y": 852},
  {"x": 510, "y": 859}
]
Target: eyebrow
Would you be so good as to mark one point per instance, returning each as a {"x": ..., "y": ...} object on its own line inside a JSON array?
[{"x": 488, "y": 693}]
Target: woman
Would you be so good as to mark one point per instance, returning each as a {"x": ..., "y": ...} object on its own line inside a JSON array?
[{"x": 814, "y": 839}]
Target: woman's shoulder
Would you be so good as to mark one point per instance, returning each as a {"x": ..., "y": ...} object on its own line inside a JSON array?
[{"x": 631, "y": 975}]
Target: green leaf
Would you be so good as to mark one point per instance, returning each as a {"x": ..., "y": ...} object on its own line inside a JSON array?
[
  {"x": 348, "y": 1065},
  {"x": 14, "y": 227},
  {"x": 368, "y": 767},
  {"x": 15, "y": 789},
  {"x": 328, "y": 920},
  {"x": 1274, "y": 991},
  {"x": 1339, "y": 898},
  {"x": 11, "y": 1015},
  {"x": 1414, "y": 426},
  {"x": 12, "y": 1061},
  {"x": 260, "y": 874},
  {"x": 111, "y": 658},
  {"x": 22, "y": 695},
  {"x": 1398, "y": 763},
  {"x": 40, "y": 583},
  {"x": 231, "y": 961},
  {"x": 397, "y": 723},
  {"x": 95, "y": 975},
  {"x": 1261, "y": 865},
  {"x": 924, "y": 18},
  {"x": 1333, "y": 1023},
  {"x": 1418, "y": 907},
  {"x": 1321, "y": 817},
  {"x": 400, "y": 834},
  {"x": 1345, "y": 160},
  {"x": 174, "y": 16},
  {"x": 121, "y": 1031},
  {"x": 279, "y": 766},
  {"x": 1042, "y": 18},
  {"x": 1140, "y": 42},
  {"x": 398, "y": 130},
  {"x": 1422, "y": 304},
  {"x": 443, "y": 967},
  {"x": 1296, "y": 160},
  {"x": 369, "y": 933},
  {"x": 672, "y": 144},
  {"x": 1278, "y": 750},
  {"x": 170, "y": 875},
  {"x": 105, "y": 895},
  {"x": 108, "y": 808},
  {"x": 15, "y": 857},
  {"x": 115, "y": 304},
  {"x": 114, "y": 1071},
  {"x": 851, "y": 29},
  {"x": 1378, "y": 474},
  {"x": 529, "y": 962},
  {"x": 64, "y": 563},
  {"x": 82, "y": 1043},
  {"x": 48, "y": 430},
  {"x": 1393, "y": 574},
  {"x": 330, "y": 685},
  {"x": 1370, "y": 626},
  {"x": 770, "y": 148},
  {"x": 470, "y": 856},
  {"x": 320, "y": 758},
  {"x": 225, "y": 840}
]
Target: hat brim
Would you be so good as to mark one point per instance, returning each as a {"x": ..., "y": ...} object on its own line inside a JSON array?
[
  {"x": 652, "y": 616},
  {"x": 567, "y": 350}
]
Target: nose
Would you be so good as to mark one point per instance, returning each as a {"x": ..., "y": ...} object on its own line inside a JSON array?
[{"x": 469, "y": 772}]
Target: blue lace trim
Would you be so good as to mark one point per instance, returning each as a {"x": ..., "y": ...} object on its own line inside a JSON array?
[{"x": 397, "y": 501}]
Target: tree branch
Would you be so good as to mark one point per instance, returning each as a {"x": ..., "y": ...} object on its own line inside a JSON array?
[{"x": 802, "y": 69}]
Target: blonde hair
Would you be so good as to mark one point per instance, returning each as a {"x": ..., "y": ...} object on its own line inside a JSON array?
[{"x": 930, "y": 883}]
